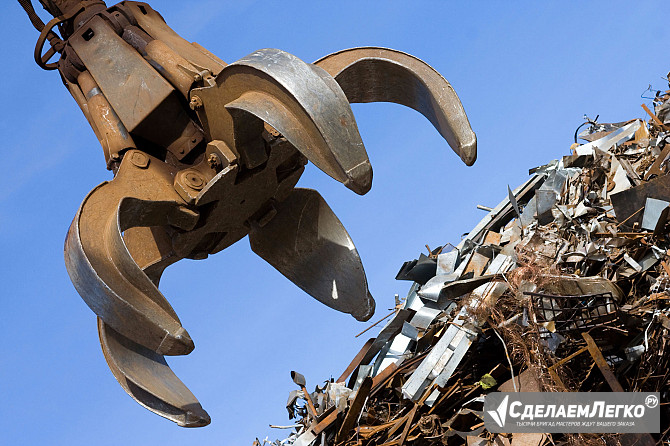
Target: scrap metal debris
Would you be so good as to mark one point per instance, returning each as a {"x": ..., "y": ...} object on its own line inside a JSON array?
[{"x": 563, "y": 286}]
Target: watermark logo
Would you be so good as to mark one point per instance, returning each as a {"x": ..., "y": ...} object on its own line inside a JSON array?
[
  {"x": 573, "y": 412},
  {"x": 500, "y": 414},
  {"x": 651, "y": 401}
]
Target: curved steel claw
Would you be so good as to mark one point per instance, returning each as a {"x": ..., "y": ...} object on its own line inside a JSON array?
[
  {"x": 307, "y": 107},
  {"x": 372, "y": 74},
  {"x": 101, "y": 267},
  {"x": 301, "y": 101},
  {"x": 306, "y": 242},
  {"x": 147, "y": 378}
]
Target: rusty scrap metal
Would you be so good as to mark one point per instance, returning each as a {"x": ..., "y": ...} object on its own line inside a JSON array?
[{"x": 205, "y": 153}]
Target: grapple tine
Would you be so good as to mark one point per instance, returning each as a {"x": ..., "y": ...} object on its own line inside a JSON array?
[
  {"x": 147, "y": 378},
  {"x": 301, "y": 101},
  {"x": 103, "y": 270},
  {"x": 371, "y": 74},
  {"x": 151, "y": 248},
  {"x": 307, "y": 243}
]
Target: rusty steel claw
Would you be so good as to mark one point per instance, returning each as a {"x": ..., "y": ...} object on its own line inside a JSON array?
[
  {"x": 147, "y": 378},
  {"x": 205, "y": 154},
  {"x": 103, "y": 270}
]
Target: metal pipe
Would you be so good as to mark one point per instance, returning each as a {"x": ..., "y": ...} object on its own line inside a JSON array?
[
  {"x": 113, "y": 134},
  {"x": 79, "y": 98},
  {"x": 179, "y": 71}
]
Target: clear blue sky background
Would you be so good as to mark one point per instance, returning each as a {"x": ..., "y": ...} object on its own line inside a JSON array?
[{"x": 526, "y": 72}]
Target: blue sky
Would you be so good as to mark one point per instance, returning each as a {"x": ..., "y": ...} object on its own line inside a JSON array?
[{"x": 526, "y": 73}]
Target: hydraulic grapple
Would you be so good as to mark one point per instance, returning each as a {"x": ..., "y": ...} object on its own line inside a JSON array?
[{"x": 203, "y": 154}]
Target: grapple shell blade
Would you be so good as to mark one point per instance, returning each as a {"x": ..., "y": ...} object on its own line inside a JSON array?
[{"x": 308, "y": 244}]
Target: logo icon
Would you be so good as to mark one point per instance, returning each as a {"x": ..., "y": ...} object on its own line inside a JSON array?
[
  {"x": 500, "y": 413},
  {"x": 651, "y": 401}
]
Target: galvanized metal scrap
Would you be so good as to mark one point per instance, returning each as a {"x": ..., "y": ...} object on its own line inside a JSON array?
[{"x": 206, "y": 153}]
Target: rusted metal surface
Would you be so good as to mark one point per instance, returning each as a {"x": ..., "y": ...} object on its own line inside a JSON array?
[
  {"x": 141, "y": 194},
  {"x": 206, "y": 153},
  {"x": 153, "y": 24},
  {"x": 179, "y": 71},
  {"x": 111, "y": 132},
  {"x": 356, "y": 361},
  {"x": 99, "y": 48},
  {"x": 299, "y": 379},
  {"x": 354, "y": 410},
  {"x": 600, "y": 361},
  {"x": 613, "y": 382},
  {"x": 626, "y": 202},
  {"x": 147, "y": 378}
]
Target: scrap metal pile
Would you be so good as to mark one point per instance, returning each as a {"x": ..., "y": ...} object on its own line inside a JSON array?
[{"x": 563, "y": 286}]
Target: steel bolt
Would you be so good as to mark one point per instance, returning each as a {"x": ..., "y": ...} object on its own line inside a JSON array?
[
  {"x": 194, "y": 180},
  {"x": 272, "y": 131},
  {"x": 139, "y": 159},
  {"x": 214, "y": 161},
  {"x": 195, "y": 103}
]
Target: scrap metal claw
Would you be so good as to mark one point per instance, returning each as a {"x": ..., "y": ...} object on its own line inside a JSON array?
[{"x": 204, "y": 154}]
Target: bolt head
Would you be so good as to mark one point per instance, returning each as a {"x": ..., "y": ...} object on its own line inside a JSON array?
[
  {"x": 195, "y": 103},
  {"x": 194, "y": 180},
  {"x": 214, "y": 161},
  {"x": 139, "y": 159}
]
